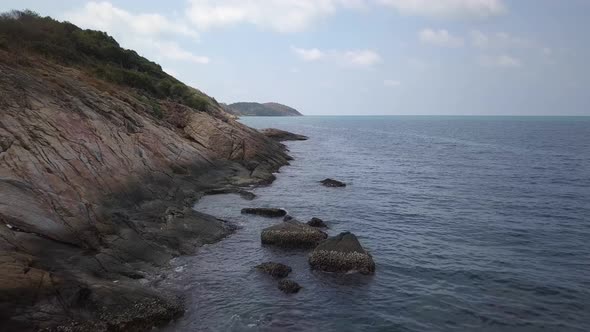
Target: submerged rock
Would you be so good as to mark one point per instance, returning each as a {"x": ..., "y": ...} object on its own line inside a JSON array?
[
  {"x": 281, "y": 135},
  {"x": 289, "y": 286},
  {"x": 265, "y": 212},
  {"x": 292, "y": 234},
  {"x": 287, "y": 218},
  {"x": 276, "y": 270},
  {"x": 332, "y": 183},
  {"x": 342, "y": 253},
  {"x": 317, "y": 222}
]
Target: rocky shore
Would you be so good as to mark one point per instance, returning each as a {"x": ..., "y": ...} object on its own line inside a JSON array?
[{"x": 96, "y": 194}]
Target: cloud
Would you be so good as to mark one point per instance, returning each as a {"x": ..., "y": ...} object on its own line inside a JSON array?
[
  {"x": 350, "y": 58},
  {"x": 505, "y": 61},
  {"x": 439, "y": 38},
  {"x": 448, "y": 8},
  {"x": 106, "y": 17},
  {"x": 146, "y": 32},
  {"x": 278, "y": 15},
  {"x": 392, "y": 83},
  {"x": 312, "y": 54},
  {"x": 499, "y": 40}
]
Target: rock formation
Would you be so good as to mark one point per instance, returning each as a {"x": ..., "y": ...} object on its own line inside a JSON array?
[
  {"x": 281, "y": 135},
  {"x": 332, "y": 183},
  {"x": 292, "y": 234},
  {"x": 317, "y": 222},
  {"x": 265, "y": 212},
  {"x": 276, "y": 270},
  {"x": 342, "y": 253},
  {"x": 289, "y": 286},
  {"x": 96, "y": 174}
]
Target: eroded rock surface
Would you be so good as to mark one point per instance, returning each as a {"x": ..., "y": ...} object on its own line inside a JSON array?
[
  {"x": 342, "y": 253},
  {"x": 332, "y": 183},
  {"x": 282, "y": 135},
  {"x": 289, "y": 286},
  {"x": 94, "y": 188},
  {"x": 292, "y": 234},
  {"x": 276, "y": 270},
  {"x": 265, "y": 212},
  {"x": 317, "y": 222}
]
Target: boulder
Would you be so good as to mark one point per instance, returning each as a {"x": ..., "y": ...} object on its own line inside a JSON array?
[
  {"x": 287, "y": 218},
  {"x": 292, "y": 234},
  {"x": 281, "y": 135},
  {"x": 265, "y": 212},
  {"x": 317, "y": 222},
  {"x": 276, "y": 270},
  {"x": 332, "y": 183},
  {"x": 289, "y": 286},
  {"x": 342, "y": 253}
]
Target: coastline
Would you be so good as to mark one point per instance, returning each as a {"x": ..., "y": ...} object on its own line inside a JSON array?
[{"x": 96, "y": 196}]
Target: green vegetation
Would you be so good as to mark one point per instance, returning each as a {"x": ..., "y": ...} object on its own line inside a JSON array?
[{"x": 97, "y": 52}]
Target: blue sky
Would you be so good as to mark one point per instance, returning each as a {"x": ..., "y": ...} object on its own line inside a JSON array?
[{"x": 361, "y": 57}]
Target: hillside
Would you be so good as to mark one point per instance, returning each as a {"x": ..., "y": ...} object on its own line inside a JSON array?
[
  {"x": 258, "y": 109},
  {"x": 102, "y": 155}
]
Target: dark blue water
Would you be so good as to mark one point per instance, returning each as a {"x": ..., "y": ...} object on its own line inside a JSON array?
[{"x": 475, "y": 223}]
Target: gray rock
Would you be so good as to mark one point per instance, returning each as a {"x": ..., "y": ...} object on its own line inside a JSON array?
[
  {"x": 332, "y": 183},
  {"x": 281, "y": 135},
  {"x": 287, "y": 218},
  {"x": 289, "y": 286},
  {"x": 276, "y": 270},
  {"x": 265, "y": 212},
  {"x": 292, "y": 234},
  {"x": 342, "y": 253},
  {"x": 317, "y": 222}
]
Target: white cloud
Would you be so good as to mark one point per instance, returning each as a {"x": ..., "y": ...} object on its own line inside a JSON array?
[
  {"x": 312, "y": 54},
  {"x": 499, "y": 40},
  {"x": 106, "y": 17},
  {"x": 499, "y": 61},
  {"x": 448, "y": 8},
  {"x": 351, "y": 58},
  {"x": 391, "y": 83},
  {"x": 439, "y": 38},
  {"x": 278, "y": 15},
  {"x": 171, "y": 50},
  {"x": 147, "y": 33}
]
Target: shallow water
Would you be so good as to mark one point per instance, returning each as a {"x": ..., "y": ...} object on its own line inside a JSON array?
[{"x": 475, "y": 223}]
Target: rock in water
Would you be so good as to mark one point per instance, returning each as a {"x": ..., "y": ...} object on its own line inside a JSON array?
[
  {"x": 289, "y": 286},
  {"x": 317, "y": 222},
  {"x": 281, "y": 135},
  {"x": 342, "y": 253},
  {"x": 265, "y": 212},
  {"x": 332, "y": 183},
  {"x": 287, "y": 218},
  {"x": 292, "y": 234},
  {"x": 276, "y": 270}
]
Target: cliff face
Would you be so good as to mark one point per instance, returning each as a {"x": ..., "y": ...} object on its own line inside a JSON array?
[
  {"x": 95, "y": 193},
  {"x": 258, "y": 109}
]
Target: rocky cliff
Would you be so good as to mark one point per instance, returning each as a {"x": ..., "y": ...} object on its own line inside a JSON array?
[{"x": 96, "y": 183}]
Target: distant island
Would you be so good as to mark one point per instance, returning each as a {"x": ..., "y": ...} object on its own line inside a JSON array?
[{"x": 260, "y": 109}]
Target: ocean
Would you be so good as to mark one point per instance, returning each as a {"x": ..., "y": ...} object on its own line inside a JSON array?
[{"x": 474, "y": 223}]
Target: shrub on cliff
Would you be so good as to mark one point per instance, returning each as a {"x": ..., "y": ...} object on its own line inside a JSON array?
[{"x": 96, "y": 51}]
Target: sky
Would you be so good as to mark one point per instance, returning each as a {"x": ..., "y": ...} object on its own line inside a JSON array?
[{"x": 360, "y": 57}]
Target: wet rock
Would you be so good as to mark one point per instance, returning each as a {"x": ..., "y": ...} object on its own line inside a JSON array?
[
  {"x": 317, "y": 222},
  {"x": 276, "y": 270},
  {"x": 332, "y": 183},
  {"x": 287, "y": 218},
  {"x": 265, "y": 212},
  {"x": 281, "y": 135},
  {"x": 342, "y": 253},
  {"x": 292, "y": 234},
  {"x": 247, "y": 195},
  {"x": 289, "y": 286}
]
